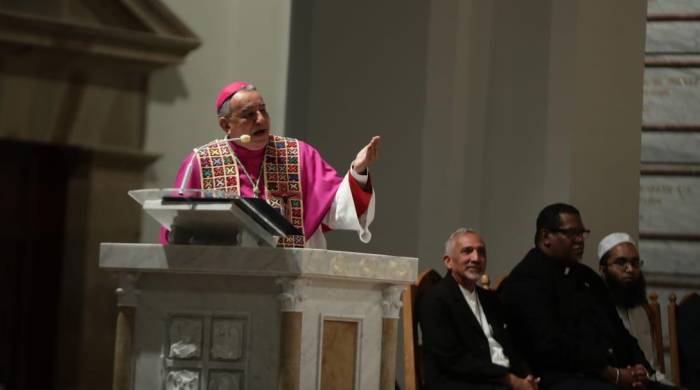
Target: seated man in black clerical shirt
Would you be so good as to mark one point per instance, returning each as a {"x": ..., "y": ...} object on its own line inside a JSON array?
[{"x": 465, "y": 337}]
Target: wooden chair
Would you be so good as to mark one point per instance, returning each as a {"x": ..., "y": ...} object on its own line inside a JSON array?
[
  {"x": 654, "y": 312},
  {"x": 673, "y": 338},
  {"x": 485, "y": 282},
  {"x": 411, "y": 345},
  {"x": 673, "y": 334}
]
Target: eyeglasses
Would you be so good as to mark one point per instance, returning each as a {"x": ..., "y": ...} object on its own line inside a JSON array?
[
  {"x": 572, "y": 233},
  {"x": 624, "y": 263}
]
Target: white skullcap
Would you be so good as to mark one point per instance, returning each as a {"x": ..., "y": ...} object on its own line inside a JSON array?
[{"x": 611, "y": 240}]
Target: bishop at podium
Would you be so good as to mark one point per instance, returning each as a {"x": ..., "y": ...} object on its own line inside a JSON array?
[{"x": 289, "y": 174}]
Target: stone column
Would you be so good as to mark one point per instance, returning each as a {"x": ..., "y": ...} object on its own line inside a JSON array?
[
  {"x": 127, "y": 296},
  {"x": 391, "y": 304},
  {"x": 291, "y": 305}
]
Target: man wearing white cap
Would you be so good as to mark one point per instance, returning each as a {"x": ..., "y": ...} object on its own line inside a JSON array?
[
  {"x": 621, "y": 268},
  {"x": 289, "y": 174}
]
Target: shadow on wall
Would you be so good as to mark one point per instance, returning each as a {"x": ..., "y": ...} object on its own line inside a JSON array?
[{"x": 171, "y": 86}]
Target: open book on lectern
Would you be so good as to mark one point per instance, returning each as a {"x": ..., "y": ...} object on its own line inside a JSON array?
[{"x": 211, "y": 217}]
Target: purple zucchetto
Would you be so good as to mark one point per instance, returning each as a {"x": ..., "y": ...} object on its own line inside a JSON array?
[{"x": 227, "y": 91}]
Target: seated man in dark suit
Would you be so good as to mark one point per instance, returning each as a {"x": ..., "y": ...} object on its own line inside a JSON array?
[
  {"x": 465, "y": 339},
  {"x": 562, "y": 316}
]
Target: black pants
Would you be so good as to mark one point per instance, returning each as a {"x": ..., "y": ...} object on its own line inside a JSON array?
[{"x": 594, "y": 384}]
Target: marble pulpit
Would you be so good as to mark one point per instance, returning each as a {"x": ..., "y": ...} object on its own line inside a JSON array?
[{"x": 224, "y": 317}]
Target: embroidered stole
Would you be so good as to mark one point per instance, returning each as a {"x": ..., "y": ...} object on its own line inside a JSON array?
[{"x": 219, "y": 171}]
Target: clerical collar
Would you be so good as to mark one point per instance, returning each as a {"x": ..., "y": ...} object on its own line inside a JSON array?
[
  {"x": 560, "y": 266},
  {"x": 245, "y": 153}
]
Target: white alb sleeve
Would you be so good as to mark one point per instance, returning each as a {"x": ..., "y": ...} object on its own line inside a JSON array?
[{"x": 343, "y": 216}]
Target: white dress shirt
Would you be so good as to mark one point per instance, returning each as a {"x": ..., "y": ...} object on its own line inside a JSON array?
[{"x": 497, "y": 355}]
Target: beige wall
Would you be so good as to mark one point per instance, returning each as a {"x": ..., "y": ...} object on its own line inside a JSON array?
[
  {"x": 488, "y": 112},
  {"x": 364, "y": 63},
  {"x": 241, "y": 40},
  {"x": 567, "y": 126}
]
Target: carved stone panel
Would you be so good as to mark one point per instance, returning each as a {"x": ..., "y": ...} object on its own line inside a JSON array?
[
  {"x": 206, "y": 351},
  {"x": 670, "y": 257},
  {"x": 182, "y": 380},
  {"x": 225, "y": 380},
  {"x": 667, "y": 204},
  {"x": 656, "y": 7},
  {"x": 673, "y": 37},
  {"x": 666, "y": 147},
  {"x": 671, "y": 96},
  {"x": 185, "y": 338},
  {"x": 227, "y": 338}
]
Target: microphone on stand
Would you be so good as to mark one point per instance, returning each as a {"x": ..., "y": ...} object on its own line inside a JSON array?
[{"x": 244, "y": 139}]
